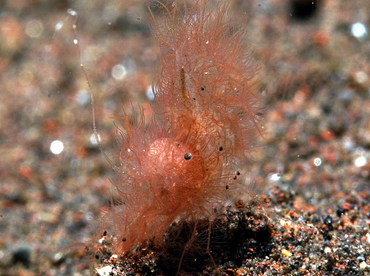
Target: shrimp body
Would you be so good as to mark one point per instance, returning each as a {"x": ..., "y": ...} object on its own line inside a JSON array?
[{"x": 176, "y": 166}]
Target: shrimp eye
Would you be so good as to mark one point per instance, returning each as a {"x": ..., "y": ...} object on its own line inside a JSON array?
[{"x": 187, "y": 156}]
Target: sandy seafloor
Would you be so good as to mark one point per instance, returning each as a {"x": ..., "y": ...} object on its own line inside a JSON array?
[{"x": 313, "y": 168}]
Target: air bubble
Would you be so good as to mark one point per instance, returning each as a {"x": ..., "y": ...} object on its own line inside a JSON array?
[
  {"x": 361, "y": 77},
  {"x": 119, "y": 71},
  {"x": 360, "y": 161},
  {"x": 149, "y": 93},
  {"x": 274, "y": 176},
  {"x": 34, "y": 28},
  {"x": 317, "y": 162},
  {"x": 59, "y": 25},
  {"x": 83, "y": 97},
  {"x": 71, "y": 12},
  {"x": 95, "y": 139},
  {"x": 358, "y": 30},
  {"x": 56, "y": 147}
]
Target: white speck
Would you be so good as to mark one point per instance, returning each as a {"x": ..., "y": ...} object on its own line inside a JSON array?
[
  {"x": 34, "y": 28},
  {"x": 75, "y": 41},
  {"x": 83, "y": 97},
  {"x": 71, "y": 12},
  {"x": 119, "y": 71},
  {"x": 114, "y": 256},
  {"x": 59, "y": 25},
  {"x": 102, "y": 240},
  {"x": 360, "y": 161},
  {"x": 56, "y": 147},
  {"x": 104, "y": 271},
  {"x": 149, "y": 93},
  {"x": 363, "y": 265},
  {"x": 361, "y": 77},
  {"x": 90, "y": 216},
  {"x": 317, "y": 162},
  {"x": 298, "y": 155},
  {"x": 348, "y": 143},
  {"x": 358, "y": 30},
  {"x": 58, "y": 256},
  {"x": 274, "y": 176},
  {"x": 95, "y": 139}
]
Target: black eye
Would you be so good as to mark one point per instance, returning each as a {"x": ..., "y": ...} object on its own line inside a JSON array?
[{"x": 187, "y": 156}]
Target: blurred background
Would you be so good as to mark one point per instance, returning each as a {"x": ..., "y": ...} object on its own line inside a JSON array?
[{"x": 55, "y": 183}]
